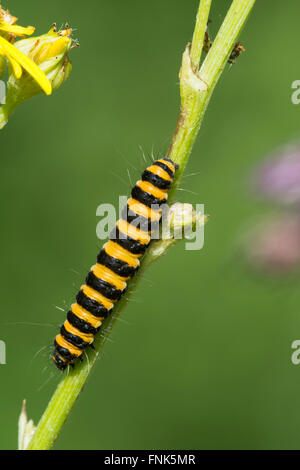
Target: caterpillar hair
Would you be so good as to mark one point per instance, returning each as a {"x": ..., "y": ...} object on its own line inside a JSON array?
[{"x": 117, "y": 262}]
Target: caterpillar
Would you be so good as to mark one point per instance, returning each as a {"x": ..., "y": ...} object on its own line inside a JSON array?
[{"x": 117, "y": 262}]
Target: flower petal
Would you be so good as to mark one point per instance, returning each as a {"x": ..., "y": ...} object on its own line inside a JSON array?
[
  {"x": 16, "y": 67},
  {"x": 18, "y": 30}
]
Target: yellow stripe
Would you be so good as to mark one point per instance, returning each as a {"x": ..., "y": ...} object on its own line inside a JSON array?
[
  {"x": 28, "y": 65},
  {"x": 157, "y": 170},
  {"x": 133, "y": 232},
  {"x": 144, "y": 211},
  {"x": 87, "y": 337},
  {"x": 102, "y": 272},
  {"x": 93, "y": 294},
  {"x": 169, "y": 164},
  {"x": 116, "y": 251},
  {"x": 61, "y": 341},
  {"x": 83, "y": 314},
  {"x": 151, "y": 189}
]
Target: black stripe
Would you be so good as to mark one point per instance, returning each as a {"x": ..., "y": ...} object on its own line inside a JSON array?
[
  {"x": 80, "y": 324},
  {"x": 156, "y": 180},
  {"x": 92, "y": 305},
  {"x": 146, "y": 198},
  {"x": 138, "y": 221},
  {"x": 116, "y": 265},
  {"x": 164, "y": 167},
  {"x": 134, "y": 246},
  {"x": 64, "y": 352},
  {"x": 166, "y": 159},
  {"x": 73, "y": 339},
  {"x": 105, "y": 288}
]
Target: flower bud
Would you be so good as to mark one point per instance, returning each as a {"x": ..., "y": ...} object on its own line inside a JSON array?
[
  {"x": 50, "y": 53},
  {"x": 183, "y": 219}
]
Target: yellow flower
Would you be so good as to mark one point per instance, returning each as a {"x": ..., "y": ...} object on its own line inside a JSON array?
[
  {"x": 18, "y": 60},
  {"x": 49, "y": 53}
]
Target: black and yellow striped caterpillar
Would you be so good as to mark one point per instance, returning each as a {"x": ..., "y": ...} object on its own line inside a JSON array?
[{"x": 117, "y": 262}]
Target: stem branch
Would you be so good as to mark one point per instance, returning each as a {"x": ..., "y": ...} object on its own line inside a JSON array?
[{"x": 199, "y": 32}]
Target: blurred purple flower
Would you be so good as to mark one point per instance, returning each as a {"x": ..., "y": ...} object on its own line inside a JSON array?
[
  {"x": 279, "y": 177},
  {"x": 274, "y": 245}
]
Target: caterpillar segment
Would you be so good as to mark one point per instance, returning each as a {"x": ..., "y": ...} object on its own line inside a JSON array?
[{"x": 117, "y": 262}]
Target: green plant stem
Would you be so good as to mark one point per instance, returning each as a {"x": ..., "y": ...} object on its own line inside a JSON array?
[
  {"x": 196, "y": 89},
  {"x": 199, "y": 32}
]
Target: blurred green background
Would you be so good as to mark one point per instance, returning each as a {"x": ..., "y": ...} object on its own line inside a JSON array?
[{"x": 203, "y": 357}]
